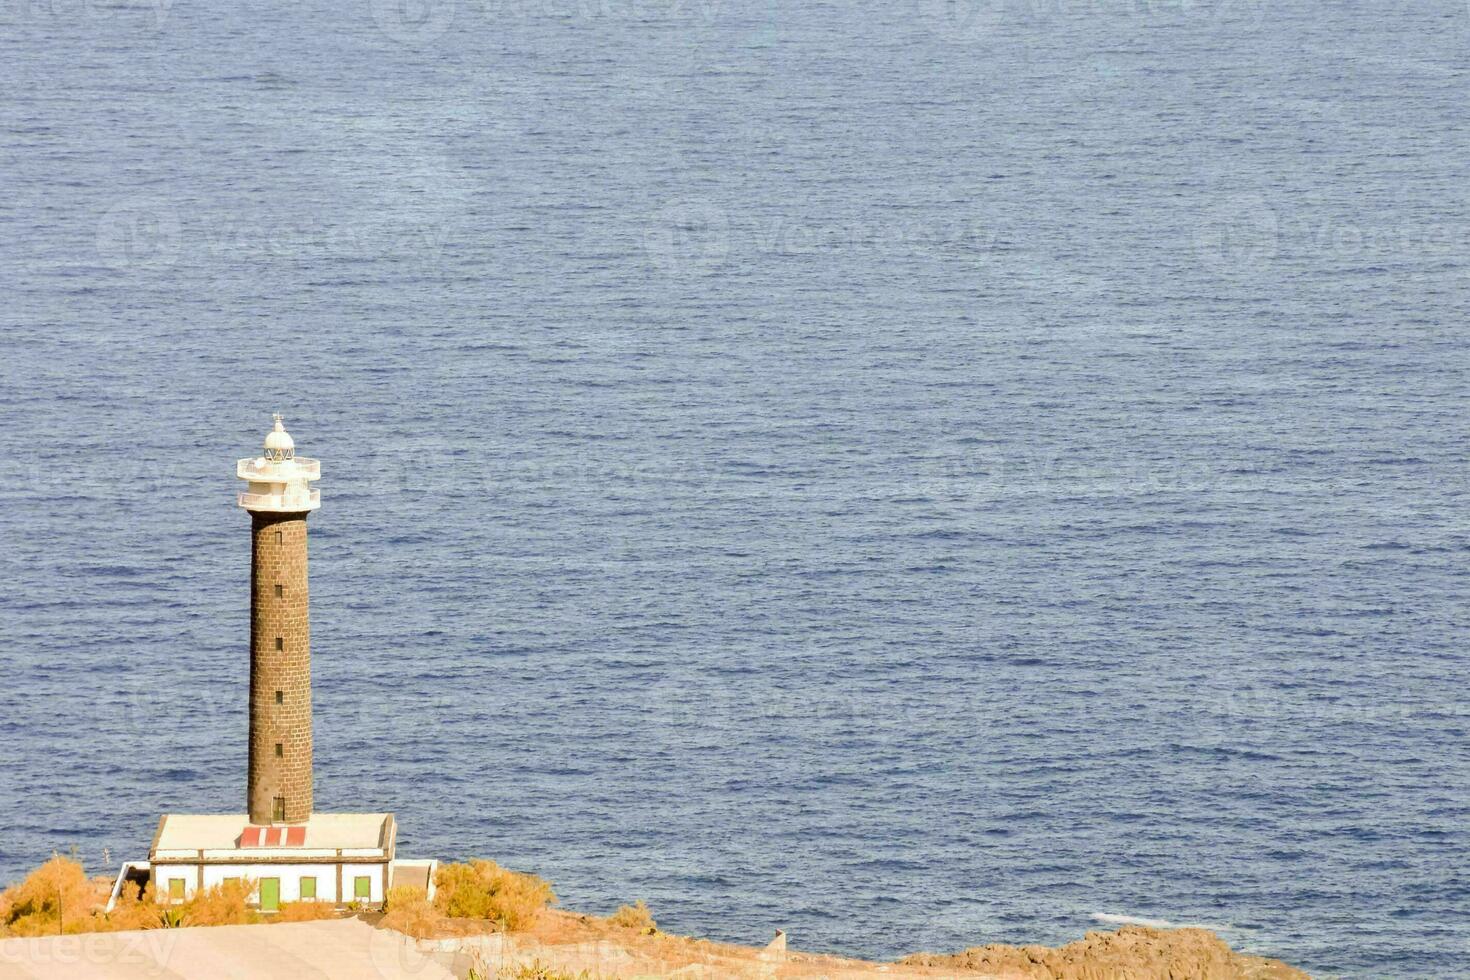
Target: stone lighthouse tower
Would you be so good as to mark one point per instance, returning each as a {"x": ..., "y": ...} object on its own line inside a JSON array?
[
  {"x": 281, "y": 845},
  {"x": 279, "y": 497}
]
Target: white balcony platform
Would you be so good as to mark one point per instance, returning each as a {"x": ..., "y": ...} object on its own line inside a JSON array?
[
  {"x": 262, "y": 470},
  {"x": 280, "y": 503}
]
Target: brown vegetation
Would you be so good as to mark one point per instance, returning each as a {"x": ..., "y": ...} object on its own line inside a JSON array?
[
  {"x": 538, "y": 971},
  {"x": 409, "y": 911},
  {"x": 135, "y": 911},
  {"x": 635, "y": 916},
  {"x": 55, "y": 898},
  {"x": 226, "y": 904},
  {"x": 485, "y": 890},
  {"x": 307, "y": 911}
]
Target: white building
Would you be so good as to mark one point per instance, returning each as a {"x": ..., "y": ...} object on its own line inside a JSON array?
[{"x": 341, "y": 858}]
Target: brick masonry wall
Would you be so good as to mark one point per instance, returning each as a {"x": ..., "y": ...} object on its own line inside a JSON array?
[{"x": 278, "y": 559}]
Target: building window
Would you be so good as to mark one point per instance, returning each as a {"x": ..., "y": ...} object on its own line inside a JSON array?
[
  {"x": 308, "y": 888},
  {"x": 278, "y": 537},
  {"x": 362, "y": 888},
  {"x": 278, "y": 808},
  {"x": 280, "y": 697},
  {"x": 280, "y": 750},
  {"x": 280, "y": 643},
  {"x": 280, "y": 592},
  {"x": 175, "y": 889}
]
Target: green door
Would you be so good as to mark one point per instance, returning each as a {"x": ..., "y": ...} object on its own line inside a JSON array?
[{"x": 270, "y": 894}]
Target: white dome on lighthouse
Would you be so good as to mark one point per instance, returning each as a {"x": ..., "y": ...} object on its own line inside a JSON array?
[{"x": 279, "y": 445}]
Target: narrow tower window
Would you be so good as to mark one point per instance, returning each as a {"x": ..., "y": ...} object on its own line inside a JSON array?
[
  {"x": 280, "y": 697},
  {"x": 279, "y": 591},
  {"x": 280, "y": 643},
  {"x": 278, "y": 537},
  {"x": 280, "y": 750},
  {"x": 278, "y": 808}
]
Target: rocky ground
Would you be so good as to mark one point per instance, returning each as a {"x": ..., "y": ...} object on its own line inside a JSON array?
[
  {"x": 566, "y": 946},
  {"x": 1133, "y": 951},
  {"x": 575, "y": 944}
]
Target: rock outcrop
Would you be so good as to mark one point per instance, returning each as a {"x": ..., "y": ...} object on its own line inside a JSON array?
[{"x": 1131, "y": 953}]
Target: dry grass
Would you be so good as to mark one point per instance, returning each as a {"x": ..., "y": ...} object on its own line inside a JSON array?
[
  {"x": 304, "y": 912},
  {"x": 635, "y": 916},
  {"x": 403, "y": 896},
  {"x": 485, "y": 890},
  {"x": 410, "y": 912},
  {"x": 222, "y": 905},
  {"x": 539, "y": 971}
]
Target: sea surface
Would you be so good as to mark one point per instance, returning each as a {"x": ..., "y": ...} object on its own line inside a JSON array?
[{"x": 916, "y": 474}]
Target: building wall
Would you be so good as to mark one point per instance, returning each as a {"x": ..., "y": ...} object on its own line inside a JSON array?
[
  {"x": 290, "y": 876},
  {"x": 162, "y": 874},
  {"x": 278, "y": 563}
]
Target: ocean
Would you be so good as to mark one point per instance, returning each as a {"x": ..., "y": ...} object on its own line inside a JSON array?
[{"x": 914, "y": 474}]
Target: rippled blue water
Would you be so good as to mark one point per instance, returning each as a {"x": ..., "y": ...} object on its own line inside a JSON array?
[{"x": 913, "y": 474}]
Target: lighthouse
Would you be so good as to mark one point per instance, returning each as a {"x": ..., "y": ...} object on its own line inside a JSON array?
[
  {"x": 279, "y": 496},
  {"x": 286, "y": 850}
]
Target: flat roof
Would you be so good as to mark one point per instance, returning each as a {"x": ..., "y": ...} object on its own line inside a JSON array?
[{"x": 222, "y": 831}]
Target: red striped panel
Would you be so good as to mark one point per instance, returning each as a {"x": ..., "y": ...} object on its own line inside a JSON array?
[{"x": 273, "y": 837}]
